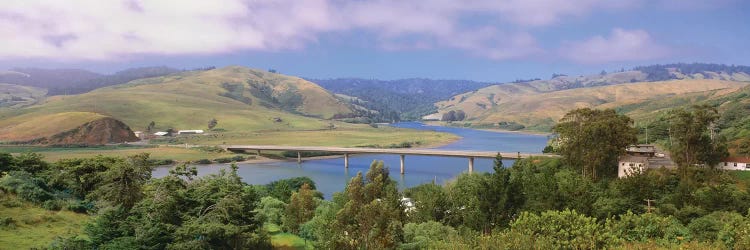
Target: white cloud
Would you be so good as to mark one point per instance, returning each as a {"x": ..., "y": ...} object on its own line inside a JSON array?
[
  {"x": 621, "y": 45},
  {"x": 108, "y": 30}
]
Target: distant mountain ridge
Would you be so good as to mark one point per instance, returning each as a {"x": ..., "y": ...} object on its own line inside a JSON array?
[
  {"x": 77, "y": 81},
  {"x": 411, "y": 98}
]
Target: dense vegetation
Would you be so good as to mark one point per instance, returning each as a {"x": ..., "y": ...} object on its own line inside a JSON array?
[
  {"x": 538, "y": 202},
  {"x": 546, "y": 203},
  {"x": 409, "y": 98}
]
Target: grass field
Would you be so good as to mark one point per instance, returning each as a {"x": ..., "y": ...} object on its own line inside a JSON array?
[
  {"x": 35, "y": 227},
  {"x": 157, "y": 153},
  {"x": 341, "y": 137},
  {"x": 281, "y": 240}
]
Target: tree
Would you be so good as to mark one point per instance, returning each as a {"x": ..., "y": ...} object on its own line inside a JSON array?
[
  {"x": 300, "y": 209},
  {"x": 450, "y": 116},
  {"x": 592, "y": 140},
  {"x": 372, "y": 215},
  {"x": 460, "y": 115},
  {"x": 693, "y": 137},
  {"x": 743, "y": 148},
  {"x": 6, "y": 163},
  {"x": 122, "y": 183},
  {"x": 271, "y": 210},
  {"x": 31, "y": 162},
  {"x": 502, "y": 198},
  {"x": 150, "y": 126},
  {"x": 212, "y": 123}
]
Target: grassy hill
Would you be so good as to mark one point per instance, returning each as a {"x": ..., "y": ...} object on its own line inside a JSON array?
[
  {"x": 248, "y": 105},
  {"x": 16, "y": 96},
  {"x": 537, "y": 105}
]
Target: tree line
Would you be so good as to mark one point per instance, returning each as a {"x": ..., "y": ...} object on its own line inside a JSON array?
[{"x": 573, "y": 202}]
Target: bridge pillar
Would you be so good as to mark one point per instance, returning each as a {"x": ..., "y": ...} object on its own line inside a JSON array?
[
  {"x": 299, "y": 157},
  {"x": 346, "y": 160},
  {"x": 258, "y": 152},
  {"x": 471, "y": 164},
  {"x": 402, "y": 164}
]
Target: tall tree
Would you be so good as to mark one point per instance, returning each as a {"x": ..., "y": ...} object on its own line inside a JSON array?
[
  {"x": 592, "y": 140},
  {"x": 694, "y": 141},
  {"x": 373, "y": 215},
  {"x": 212, "y": 123},
  {"x": 300, "y": 209},
  {"x": 122, "y": 183}
]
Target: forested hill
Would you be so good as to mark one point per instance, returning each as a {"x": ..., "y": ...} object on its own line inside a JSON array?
[
  {"x": 411, "y": 97},
  {"x": 77, "y": 81}
]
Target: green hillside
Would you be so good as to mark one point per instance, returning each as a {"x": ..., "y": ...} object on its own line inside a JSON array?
[
  {"x": 16, "y": 96},
  {"x": 242, "y": 100}
]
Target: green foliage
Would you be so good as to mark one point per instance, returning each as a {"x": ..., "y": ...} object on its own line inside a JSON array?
[
  {"x": 6, "y": 163},
  {"x": 31, "y": 162},
  {"x": 300, "y": 209},
  {"x": 432, "y": 203},
  {"x": 372, "y": 214},
  {"x": 592, "y": 140},
  {"x": 283, "y": 189},
  {"x": 420, "y": 235},
  {"x": 568, "y": 229},
  {"x": 630, "y": 227},
  {"x": 26, "y": 186},
  {"x": 692, "y": 137},
  {"x": 271, "y": 210},
  {"x": 122, "y": 183}
]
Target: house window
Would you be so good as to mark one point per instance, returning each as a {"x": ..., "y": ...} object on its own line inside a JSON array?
[
  {"x": 725, "y": 164},
  {"x": 631, "y": 164},
  {"x": 735, "y": 164}
]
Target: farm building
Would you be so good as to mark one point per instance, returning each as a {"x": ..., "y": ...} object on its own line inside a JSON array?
[
  {"x": 161, "y": 133},
  {"x": 735, "y": 163},
  {"x": 190, "y": 132}
]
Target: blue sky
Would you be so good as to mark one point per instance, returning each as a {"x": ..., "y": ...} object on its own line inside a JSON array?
[{"x": 498, "y": 41}]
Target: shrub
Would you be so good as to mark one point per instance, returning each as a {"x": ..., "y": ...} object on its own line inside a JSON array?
[
  {"x": 203, "y": 161},
  {"x": 53, "y": 205}
]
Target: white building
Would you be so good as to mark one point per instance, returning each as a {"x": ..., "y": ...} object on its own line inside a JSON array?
[
  {"x": 630, "y": 164},
  {"x": 161, "y": 133},
  {"x": 189, "y": 132},
  {"x": 735, "y": 163}
]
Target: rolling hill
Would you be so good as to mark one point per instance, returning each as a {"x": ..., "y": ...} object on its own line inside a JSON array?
[
  {"x": 241, "y": 99},
  {"x": 537, "y": 105},
  {"x": 16, "y": 96}
]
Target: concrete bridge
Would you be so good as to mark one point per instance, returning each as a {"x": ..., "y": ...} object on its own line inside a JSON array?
[{"x": 399, "y": 151}]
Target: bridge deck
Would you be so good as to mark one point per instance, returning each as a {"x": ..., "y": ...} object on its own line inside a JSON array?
[{"x": 399, "y": 151}]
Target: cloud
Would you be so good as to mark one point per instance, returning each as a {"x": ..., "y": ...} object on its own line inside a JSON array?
[
  {"x": 621, "y": 45},
  {"x": 108, "y": 30}
]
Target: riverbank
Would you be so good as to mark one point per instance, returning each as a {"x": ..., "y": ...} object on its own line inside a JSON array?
[{"x": 498, "y": 130}]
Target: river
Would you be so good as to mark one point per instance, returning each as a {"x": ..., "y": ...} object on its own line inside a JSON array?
[{"x": 330, "y": 175}]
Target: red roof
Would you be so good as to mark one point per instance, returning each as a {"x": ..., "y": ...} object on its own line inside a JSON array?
[{"x": 737, "y": 159}]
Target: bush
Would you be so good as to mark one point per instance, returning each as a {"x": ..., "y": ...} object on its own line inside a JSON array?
[
  {"x": 203, "y": 161},
  {"x": 161, "y": 162},
  {"x": 7, "y": 222},
  {"x": 80, "y": 207},
  {"x": 235, "y": 158},
  {"x": 53, "y": 205}
]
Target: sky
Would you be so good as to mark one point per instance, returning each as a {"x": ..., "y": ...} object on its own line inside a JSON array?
[{"x": 483, "y": 40}]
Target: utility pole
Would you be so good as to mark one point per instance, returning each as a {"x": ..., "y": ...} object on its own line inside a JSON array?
[{"x": 648, "y": 204}]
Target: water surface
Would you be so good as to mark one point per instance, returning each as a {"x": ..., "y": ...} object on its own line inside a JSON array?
[{"x": 330, "y": 175}]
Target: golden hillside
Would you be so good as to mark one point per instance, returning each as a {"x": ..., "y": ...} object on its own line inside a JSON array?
[
  {"x": 241, "y": 99},
  {"x": 527, "y": 105}
]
